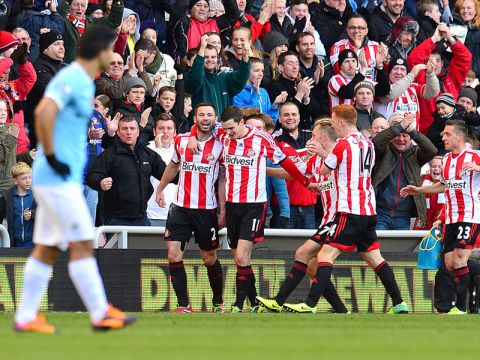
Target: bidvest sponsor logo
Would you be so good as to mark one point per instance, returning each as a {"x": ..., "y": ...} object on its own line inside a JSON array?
[
  {"x": 456, "y": 184},
  {"x": 326, "y": 185},
  {"x": 239, "y": 160},
  {"x": 198, "y": 168}
]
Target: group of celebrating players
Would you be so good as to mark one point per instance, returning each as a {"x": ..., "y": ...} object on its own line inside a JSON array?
[{"x": 339, "y": 169}]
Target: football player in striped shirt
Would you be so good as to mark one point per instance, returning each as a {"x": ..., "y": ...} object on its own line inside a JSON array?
[
  {"x": 327, "y": 186},
  {"x": 460, "y": 181},
  {"x": 354, "y": 224},
  {"x": 245, "y": 150},
  {"x": 195, "y": 206}
]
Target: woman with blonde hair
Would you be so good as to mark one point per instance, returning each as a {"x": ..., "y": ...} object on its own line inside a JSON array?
[
  {"x": 234, "y": 52},
  {"x": 273, "y": 45},
  {"x": 467, "y": 15}
]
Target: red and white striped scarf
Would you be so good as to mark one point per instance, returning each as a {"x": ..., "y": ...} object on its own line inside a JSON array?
[{"x": 79, "y": 24}]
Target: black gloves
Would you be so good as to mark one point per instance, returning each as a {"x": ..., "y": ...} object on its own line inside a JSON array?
[
  {"x": 60, "y": 168},
  {"x": 19, "y": 56}
]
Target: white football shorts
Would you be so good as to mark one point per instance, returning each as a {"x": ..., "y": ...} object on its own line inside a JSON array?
[{"x": 62, "y": 215}]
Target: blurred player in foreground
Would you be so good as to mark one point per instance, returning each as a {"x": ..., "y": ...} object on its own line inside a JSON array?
[
  {"x": 460, "y": 181},
  {"x": 355, "y": 220},
  {"x": 63, "y": 219}
]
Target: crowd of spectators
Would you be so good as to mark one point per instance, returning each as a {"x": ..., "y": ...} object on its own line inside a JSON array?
[{"x": 407, "y": 66}]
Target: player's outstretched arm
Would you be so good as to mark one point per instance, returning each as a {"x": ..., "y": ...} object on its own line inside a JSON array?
[
  {"x": 291, "y": 169},
  {"x": 278, "y": 173},
  {"x": 45, "y": 115},
  {"x": 409, "y": 190},
  {"x": 169, "y": 174}
]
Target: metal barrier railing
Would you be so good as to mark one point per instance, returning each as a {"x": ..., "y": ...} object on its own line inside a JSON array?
[
  {"x": 5, "y": 237},
  {"x": 121, "y": 233}
]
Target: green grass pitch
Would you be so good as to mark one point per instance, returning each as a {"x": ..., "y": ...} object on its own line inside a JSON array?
[{"x": 248, "y": 336}]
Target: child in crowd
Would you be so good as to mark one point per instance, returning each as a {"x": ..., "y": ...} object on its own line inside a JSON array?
[
  {"x": 18, "y": 207},
  {"x": 471, "y": 80},
  {"x": 255, "y": 96},
  {"x": 447, "y": 109},
  {"x": 172, "y": 101}
]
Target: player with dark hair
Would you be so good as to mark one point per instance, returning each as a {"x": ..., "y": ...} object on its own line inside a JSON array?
[
  {"x": 460, "y": 180},
  {"x": 63, "y": 219},
  {"x": 245, "y": 152},
  {"x": 354, "y": 224},
  {"x": 322, "y": 133},
  {"x": 195, "y": 206}
]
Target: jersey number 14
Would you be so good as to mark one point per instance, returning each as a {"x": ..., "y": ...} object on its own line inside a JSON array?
[{"x": 365, "y": 160}]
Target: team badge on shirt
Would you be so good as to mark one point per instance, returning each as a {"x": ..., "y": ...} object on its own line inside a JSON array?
[
  {"x": 251, "y": 153},
  {"x": 210, "y": 157}
]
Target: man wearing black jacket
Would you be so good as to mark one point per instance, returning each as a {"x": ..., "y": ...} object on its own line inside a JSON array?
[
  {"x": 298, "y": 89},
  {"x": 122, "y": 173},
  {"x": 383, "y": 18},
  {"x": 46, "y": 66},
  {"x": 330, "y": 19}
]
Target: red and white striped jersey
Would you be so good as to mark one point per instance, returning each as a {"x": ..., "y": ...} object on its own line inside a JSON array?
[
  {"x": 462, "y": 188},
  {"x": 334, "y": 85},
  {"x": 328, "y": 187},
  {"x": 198, "y": 173},
  {"x": 408, "y": 102},
  {"x": 245, "y": 164},
  {"x": 354, "y": 157},
  {"x": 370, "y": 49}
]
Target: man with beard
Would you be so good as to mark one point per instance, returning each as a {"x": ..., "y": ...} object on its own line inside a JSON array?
[
  {"x": 383, "y": 18},
  {"x": 195, "y": 207}
]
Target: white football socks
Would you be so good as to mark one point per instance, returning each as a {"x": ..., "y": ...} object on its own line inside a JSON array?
[
  {"x": 36, "y": 277},
  {"x": 86, "y": 278}
]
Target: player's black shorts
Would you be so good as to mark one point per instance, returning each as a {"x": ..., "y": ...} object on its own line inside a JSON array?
[
  {"x": 461, "y": 235},
  {"x": 245, "y": 221},
  {"x": 348, "y": 231},
  {"x": 181, "y": 222}
]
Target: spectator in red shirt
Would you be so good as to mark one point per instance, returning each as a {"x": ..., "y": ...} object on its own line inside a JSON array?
[{"x": 450, "y": 78}]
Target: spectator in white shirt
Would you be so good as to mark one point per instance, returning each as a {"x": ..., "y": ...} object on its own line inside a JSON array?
[{"x": 163, "y": 144}]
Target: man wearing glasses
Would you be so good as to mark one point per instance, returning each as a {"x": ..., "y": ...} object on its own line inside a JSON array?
[
  {"x": 112, "y": 81},
  {"x": 357, "y": 30}
]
